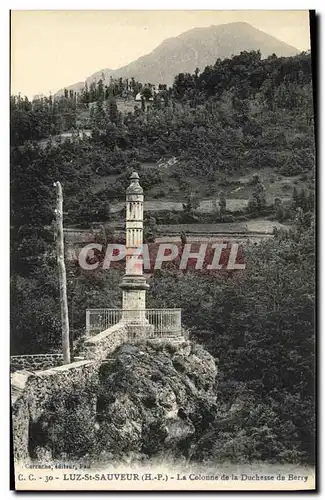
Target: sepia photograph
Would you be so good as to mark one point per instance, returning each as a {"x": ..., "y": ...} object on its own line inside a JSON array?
[{"x": 162, "y": 250}]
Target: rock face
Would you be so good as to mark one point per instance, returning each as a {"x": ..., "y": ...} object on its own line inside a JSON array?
[
  {"x": 154, "y": 398},
  {"x": 148, "y": 399}
]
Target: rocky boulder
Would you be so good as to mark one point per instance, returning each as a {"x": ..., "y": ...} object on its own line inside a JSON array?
[{"x": 148, "y": 399}]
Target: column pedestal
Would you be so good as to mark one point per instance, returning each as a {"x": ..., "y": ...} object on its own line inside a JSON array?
[{"x": 134, "y": 298}]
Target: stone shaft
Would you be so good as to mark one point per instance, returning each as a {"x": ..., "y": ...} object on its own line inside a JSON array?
[{"x": 134, "y": 284}]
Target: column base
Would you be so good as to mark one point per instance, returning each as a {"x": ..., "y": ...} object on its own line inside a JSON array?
[{"x": 139, "y": 332}]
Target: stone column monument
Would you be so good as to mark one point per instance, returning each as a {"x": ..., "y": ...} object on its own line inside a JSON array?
[{"x": 134, "y": 284}]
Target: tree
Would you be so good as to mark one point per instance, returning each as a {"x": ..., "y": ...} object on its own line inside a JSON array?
[
  {"x": 280, "y": 212},
  {"x": 149, "y": 229},
  {"x": 260, "y": 326},
  {"x": 100, "y": 115},
  {"x": 85, "y": 95},
  {"x": 100, "y": 91},
  {"x": 113, "y": 110},
  {"x": 183, "y": 83},
  {"x": 157, "y": 102},
  {"x": 183, "y": 238},
  {"x": 147, "y": 93},
  {"x": 257, "y": 201},
  {"x": 189, "y": 207},
  {"x": 143, "y": 104},
  {"x": 222, "y": 203},
  {"x": 92, "y": 92}
]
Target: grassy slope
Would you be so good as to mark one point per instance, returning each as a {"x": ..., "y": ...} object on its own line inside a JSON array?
[{"x": 170, "y": 195}]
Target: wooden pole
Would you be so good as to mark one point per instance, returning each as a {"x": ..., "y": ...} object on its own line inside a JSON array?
[{"x": 62, "y": 274}]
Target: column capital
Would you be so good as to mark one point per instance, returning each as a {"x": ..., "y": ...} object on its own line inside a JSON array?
[{"x": 134, "y": 187}]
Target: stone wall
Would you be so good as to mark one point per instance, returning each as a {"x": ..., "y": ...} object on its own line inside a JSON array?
[
  {"x": 39, "y": 388},
  {"x": 34, "y": 362},
  {"x": 36, "y": 383},
  {"x": 98, "y": 346}
]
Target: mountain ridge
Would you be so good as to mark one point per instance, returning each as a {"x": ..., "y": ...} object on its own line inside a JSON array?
[{"x": 174, "y": 55}]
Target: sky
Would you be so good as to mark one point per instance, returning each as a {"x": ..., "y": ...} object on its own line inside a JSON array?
[{"x": 51, "y": 49}]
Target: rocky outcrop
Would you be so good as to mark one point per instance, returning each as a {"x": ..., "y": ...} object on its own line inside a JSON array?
[
  {"x": 146, "y": 399},
  {"x": 154, "y": 398}
]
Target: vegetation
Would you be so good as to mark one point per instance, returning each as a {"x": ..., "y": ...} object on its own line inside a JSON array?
[
  {"x": 259, "y": 324},
  {"x": 237, "y": 117}
]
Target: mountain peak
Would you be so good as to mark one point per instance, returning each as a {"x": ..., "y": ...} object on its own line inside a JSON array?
[{"x": 197, "y": 47}]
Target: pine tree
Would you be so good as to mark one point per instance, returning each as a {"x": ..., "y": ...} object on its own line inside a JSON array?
[
  {"x": 85, "y": 95},
  {"x": 92, "y": 92},
  {"x": 100, "y": 91},
  {"x": 143, "y": 104},
  {"x": 222, "y": 203},
  {"x": 113, "y": 110},
  {"x": 147, "y": 93}
]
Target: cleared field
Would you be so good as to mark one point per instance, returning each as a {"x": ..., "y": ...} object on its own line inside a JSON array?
[
  {"x": 170, "y": 193},
  {"x": 263, "y": 226},
  {"x": 276, "y": 185},
  {"x": 203, "y": 228},
  {"x": 82, "y": 134},
  {"x": 205, "y": 206},
  {"x": 127, "y": 106}
]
